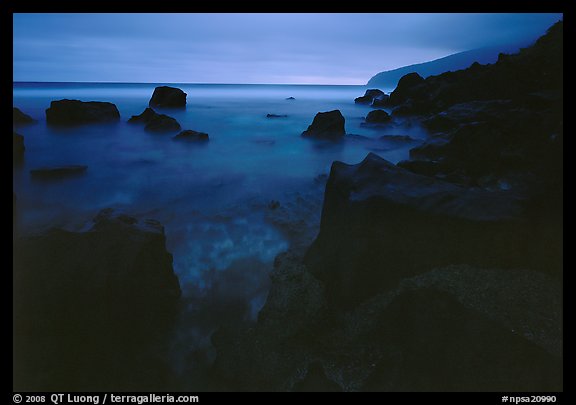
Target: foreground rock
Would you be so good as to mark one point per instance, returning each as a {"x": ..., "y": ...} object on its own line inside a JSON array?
[
  {"x": 155, "y": 122},
  {"x": 378, "y": 117},
  {"x": 165, "y": 96},
  {"x": 92, "y": 308},
  {"x": 74, "y": 112},
  {"x": 375, "y": 214},
  {"x": 326, "y": 125},
  {"x": 17, "y": 147},
  {"x": 58, "y": 172},
  {"x": 192, "y": 136},
  {"x": 19, "y": 118},
  {"x": 415, "y": 337}
]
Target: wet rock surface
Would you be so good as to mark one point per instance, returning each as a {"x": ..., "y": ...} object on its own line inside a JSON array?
[{"x": 91, "y": 308}]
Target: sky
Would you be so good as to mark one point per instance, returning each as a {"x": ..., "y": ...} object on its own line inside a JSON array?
[{"x": 250, "y": 48}]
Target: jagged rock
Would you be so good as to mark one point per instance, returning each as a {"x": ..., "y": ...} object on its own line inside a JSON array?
[
  {"x": 409, "y": 86},
  {"x": 91, "y": 308},
  {"x": 156, "y": 122},
  {"x": 165, "y": 96},
  {"x": 74, "y": 112},
  {"x": 376, "y": 215},
  {"x": 369, "y": 96},
  {"x": 382, "y": 101},
  {"x": 58, "y": 172},
  {"x": 192, "y": 136},
  {"x": 326, "y": 125},
  {"x": 19, "y": 118}
]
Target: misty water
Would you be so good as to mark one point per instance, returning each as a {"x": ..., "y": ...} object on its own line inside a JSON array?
[{"x": 214, "y": 199}]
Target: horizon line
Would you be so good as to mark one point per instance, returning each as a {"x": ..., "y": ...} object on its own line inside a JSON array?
[{"x": 189, "y": 83}]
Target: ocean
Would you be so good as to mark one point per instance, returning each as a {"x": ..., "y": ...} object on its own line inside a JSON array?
[{"x": 215, "y": 200}]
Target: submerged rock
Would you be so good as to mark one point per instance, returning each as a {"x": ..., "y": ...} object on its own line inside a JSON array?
[
  {"x": 74, "y": 112},
  {"x": 326, "y": 125},
  {"x": 191, "y": 136},
  {"x": 91, "y": 308},
  {"x": 19, "y": 118},
  {"x": 276, "y": 116},
  {"x": 58, "y": 172},
  {"x": 165, "y": 96},
  {"x": 156, "y": 122}
]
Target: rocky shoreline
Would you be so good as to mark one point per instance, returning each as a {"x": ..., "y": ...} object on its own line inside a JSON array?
[{"x": 443, "y": 272}]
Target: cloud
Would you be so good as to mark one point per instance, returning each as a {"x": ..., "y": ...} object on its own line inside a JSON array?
[{"x": 248, "y": 48}]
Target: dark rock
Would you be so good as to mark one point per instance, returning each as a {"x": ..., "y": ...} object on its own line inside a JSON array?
[
  {"x": 436, "y": 341},
  {"x": 409, "y": 86},
  {"x": 376, "y": 215},
  {"x": 326, "y": 125},
  {"x": 18, "y": 117},
  {"x": 316, "y": 381},
  {"x": 156, "y": 122},
  {"x": 74, "y": 112},
  {"x": 276, "y": 116},
  {"x": 268, "y": 355},
  {"x": 165, "y": 96},
  {"x": 423, "y": 167},
  {"x": 91, "y": 309},
  {"x": 393, "y": 342},
  {"x": 383, "y": 101},
  {"x": 374, "y": 93},
  {"x": 369, "y": 96},
  {"x": 363, "y": 100},
  {"x": 290, "y": 98},
  {"x": 537, "y": 67},
  {"x": 145, "y": 117},
  {"x": 58, "y": 172},
  {"x": 192, "y": 136},
  {"x": 17, "y": 146},
  {"x": 163, "y": 123},
  {"x": 378, "y": 117}
]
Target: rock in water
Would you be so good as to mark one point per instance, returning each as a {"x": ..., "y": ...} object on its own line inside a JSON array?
[
  {"x": 290, "y": 98},
  {"x": 156, "y": 122},
  {"x": 381, "y": 223},
  {"x": 17, "y": 146},
  {"x": 58, "y": 172},
  {"x": 18, "y": 117},
  {"x": 74, "y": 112},
  {"x": 91, "y": 308},
  {"x": 192, "y": 136},
  {"x": 276, "y": 116},
  {"x": 378, "y": 117},
  {"x": 369, "y": 96},
  {"x": 326, "y": 125},
  {"x": 165, "y": 96}
]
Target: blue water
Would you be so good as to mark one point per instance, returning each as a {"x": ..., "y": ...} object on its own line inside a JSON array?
[{"x": 213, "y": 198}]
